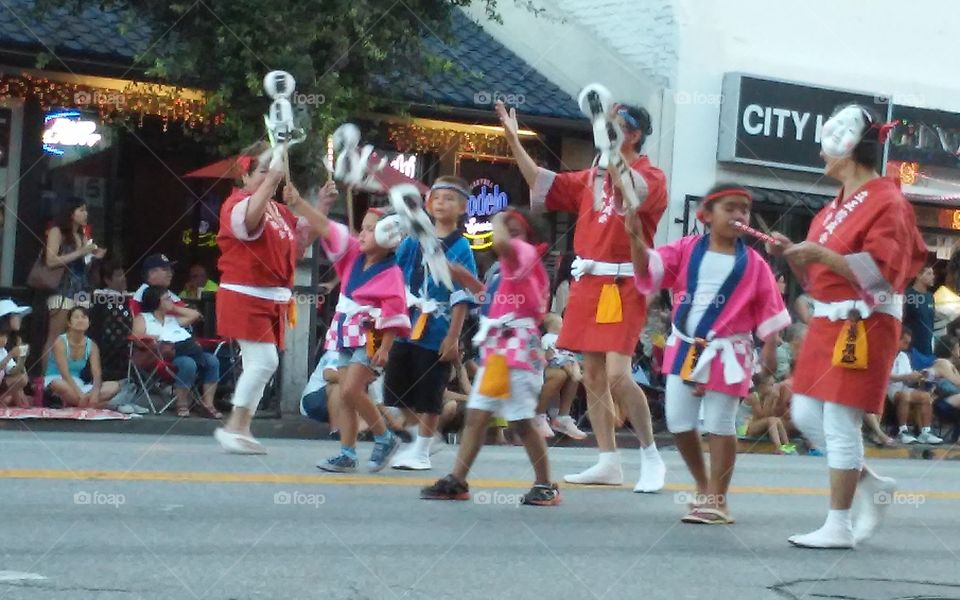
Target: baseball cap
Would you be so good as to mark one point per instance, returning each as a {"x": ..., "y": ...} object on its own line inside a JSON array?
[
  {"x": 156, "y": 261},
  {"x": 9, "y": 307}
]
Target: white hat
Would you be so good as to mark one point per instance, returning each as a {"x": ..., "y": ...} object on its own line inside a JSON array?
[{"x": 8, "y": 306}]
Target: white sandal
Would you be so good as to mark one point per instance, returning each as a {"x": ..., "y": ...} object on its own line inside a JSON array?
[{"x": 237, "y": 443}]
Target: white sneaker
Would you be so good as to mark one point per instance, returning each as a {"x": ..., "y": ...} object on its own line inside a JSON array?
[
  {"x": 926, "y": 437},
  {"x": 904, "y": 437},
  {"x": 607, "y": 471},
  {"x": 437, "y": 445},
  {"x": 828, "y": 536},
  {"x": 408, "y": 462},
  {"x": 542, "y": 426},
  {"x": 874, "y": 497},
  {"x": 568, "y": 427},
  {"x": 653, "y": 474},
  {"x": 125, "y": 409},
  {"x": 140, "y": 410}
]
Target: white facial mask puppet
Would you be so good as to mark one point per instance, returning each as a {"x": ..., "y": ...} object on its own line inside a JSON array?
[{"x": 843, "y": 131}]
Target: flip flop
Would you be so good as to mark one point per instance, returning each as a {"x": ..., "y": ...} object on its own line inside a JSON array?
[
  {"x": 708, "y": 516},
  {"x": 236, "y": 443}
]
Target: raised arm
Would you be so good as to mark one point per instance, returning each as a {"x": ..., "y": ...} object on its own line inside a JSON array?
[
  {"x": 316, "y": 216},
  {"x": 257, "y": 205},
  {"x": 528, "y": 168}
]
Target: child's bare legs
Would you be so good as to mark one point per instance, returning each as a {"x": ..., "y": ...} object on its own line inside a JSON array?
[
  {"x": 333, "y": 405},
  {"x": 688, "y": 444},
  {"x": 471, "y": 441},
  {"x": 772, "y": 427},
  {"x": 723, "y": 457},
  {"x": 553, "y": 381},
  {"x": 536, "y": 449},
  {"x": 567, "y": 395},
  {"x": 573, "y": 371},
  {"x": 354, "y": 395},
  {"x": 14, "y": 395}
]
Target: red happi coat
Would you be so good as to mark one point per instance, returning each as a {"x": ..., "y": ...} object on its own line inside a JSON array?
[
  {"x": 875, "y": 230},
  {"x": 600, "y": 236}
]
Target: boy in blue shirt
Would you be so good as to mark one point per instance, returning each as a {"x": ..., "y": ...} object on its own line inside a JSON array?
[{"x": 418, "y": 368}]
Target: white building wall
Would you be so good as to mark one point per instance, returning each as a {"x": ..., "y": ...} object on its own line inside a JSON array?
[{"x": 679, "y": 50}]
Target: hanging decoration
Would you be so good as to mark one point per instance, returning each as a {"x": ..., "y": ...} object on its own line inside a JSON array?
[
  {"x": 412, "y": 138},
  {"x": 137, "y": 99}
]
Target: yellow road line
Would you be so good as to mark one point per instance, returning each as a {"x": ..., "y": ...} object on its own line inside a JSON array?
[{"x": 303, "y": 479}]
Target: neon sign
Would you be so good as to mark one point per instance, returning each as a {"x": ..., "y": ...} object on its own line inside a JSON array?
[
  {"x": 66, "y": 128},
  {"x": 482, "y": 204}
]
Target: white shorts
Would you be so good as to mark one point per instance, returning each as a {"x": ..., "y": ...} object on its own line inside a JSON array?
[
  {"x": 683, "y": 409},
  {"x": 893, "y": 388},
  {"x": 524, "y": 392},
  {"x": 83, "y": 385},
  {"x": 58, "y": 302}
]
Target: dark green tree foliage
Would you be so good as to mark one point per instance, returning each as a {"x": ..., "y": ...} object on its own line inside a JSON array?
[{"x": 343, "y": 54}]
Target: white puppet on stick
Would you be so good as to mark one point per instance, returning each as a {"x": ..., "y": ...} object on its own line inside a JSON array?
[{"x": 354, "y": 167}]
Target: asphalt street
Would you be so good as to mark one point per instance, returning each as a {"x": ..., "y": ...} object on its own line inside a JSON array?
[{"x": 124, "y": 517}]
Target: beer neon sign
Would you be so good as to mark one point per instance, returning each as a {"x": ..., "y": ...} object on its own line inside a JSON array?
[{"x": 486, "y": 200}]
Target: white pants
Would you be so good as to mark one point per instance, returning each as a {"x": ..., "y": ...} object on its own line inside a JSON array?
[
  {"x": 831, "y": 428},
  {"x": 683, "y": 409},
  {"x": 521, "y": 405},
  {"x": 259, "y": 361}
]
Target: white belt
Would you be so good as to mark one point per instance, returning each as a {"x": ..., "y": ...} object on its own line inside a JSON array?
[
  {"x": 732, "y": 369},
  {"x": 507, "y": 320},
  {"x": 277, "y": 294},
  {"x": 587, "y": 266},
  {"x": 424, "y": 305},
  {"x": 840, "y": 311},
  {"x": 349, "y": 308}
]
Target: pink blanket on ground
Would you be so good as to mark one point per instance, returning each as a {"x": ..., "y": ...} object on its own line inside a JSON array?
[{"x": 78, "y": 414}]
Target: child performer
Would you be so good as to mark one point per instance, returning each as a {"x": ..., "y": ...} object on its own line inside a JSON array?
[
  {"x": 419, "y": 366},
  {"x": 512, "y": 371},
  {"x": 371, "y": 312},
  {"x": 723, "y": 293},
  {"x": 260, "y": 241}
]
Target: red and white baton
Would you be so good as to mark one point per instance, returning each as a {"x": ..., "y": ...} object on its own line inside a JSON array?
[{"x": 763, "y": 237}]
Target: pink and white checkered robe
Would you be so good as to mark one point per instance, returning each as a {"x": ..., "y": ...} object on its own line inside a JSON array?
[{"x": 378, "y": 290}]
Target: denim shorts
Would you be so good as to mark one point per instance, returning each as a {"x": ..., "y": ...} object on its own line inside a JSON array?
[{"x": 350, "y": 356}]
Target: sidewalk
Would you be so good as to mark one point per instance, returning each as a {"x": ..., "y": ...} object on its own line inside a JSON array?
[{"x": 298, "y": 427}]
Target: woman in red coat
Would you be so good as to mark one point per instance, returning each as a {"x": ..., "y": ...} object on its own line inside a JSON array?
[
  {"x": 860, "y": 252},
  {"x": 260, "y": 240}
]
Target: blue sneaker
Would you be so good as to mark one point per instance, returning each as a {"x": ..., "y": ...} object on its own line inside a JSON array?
[
  {"x": 814, "y": 452},
  {"x": 340, "y": 463},
  {"x": 382, "y": 453}
]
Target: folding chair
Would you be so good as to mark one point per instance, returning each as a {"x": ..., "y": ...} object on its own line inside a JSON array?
[{"x": 148, "y": 370}]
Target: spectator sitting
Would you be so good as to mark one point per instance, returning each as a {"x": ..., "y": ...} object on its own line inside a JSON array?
[
  {"x": 766, "y": 410},
  {"x": 13, "y": 377},
  {"x": 947, "y": 403},
  {"x": 158, "y": 270},
  {"x": 561, "y": 378},
  {"x": 455, "y": 396},
  {"x": 321, "y": 397},
  {"x": 158, "y": 321},
  {"x": 75, "y": 354},
  {"x": 198, "y": 284},
  {"x": 903, "y": 397},
  {"x": 114, "y": 279}
]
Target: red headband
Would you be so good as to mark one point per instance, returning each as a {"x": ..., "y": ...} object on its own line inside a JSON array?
[
  {"x": 515, "y": 214},
  {"x": 720, "y": 194},
  {"x": 244, "y": 163}
]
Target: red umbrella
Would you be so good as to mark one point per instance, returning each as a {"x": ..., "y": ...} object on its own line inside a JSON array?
[{"x": 222, "y": 169}]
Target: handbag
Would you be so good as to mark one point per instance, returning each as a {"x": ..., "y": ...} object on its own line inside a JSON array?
[{"x": 43, "y": 277}]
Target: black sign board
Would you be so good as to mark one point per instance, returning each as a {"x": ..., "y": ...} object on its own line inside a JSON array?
[
  {"x": 777, "y": 123},
  {"x": 929, "y": 137}
]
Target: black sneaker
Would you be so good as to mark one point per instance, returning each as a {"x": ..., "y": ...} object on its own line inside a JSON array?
[
  {"x": 448, "y": 488},
  {"x": 542, "y": 494}
]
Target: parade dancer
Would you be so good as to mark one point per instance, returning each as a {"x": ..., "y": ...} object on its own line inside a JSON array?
[
  {"x": 605, "y": 313},
  {"x": 371, "y": 312},
  {"x": 419, "y": 366},
  {"x": 723, "y": 294},
  {"x": 511, "y": 374},
  {"x": 260, "y": 241},
  {"x": 860, "y": 252}
]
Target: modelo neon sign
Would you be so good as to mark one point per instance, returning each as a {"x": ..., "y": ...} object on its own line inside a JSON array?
[
  {"x": 485, "y": 202},
  {"x": 66, "y": 128}
]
